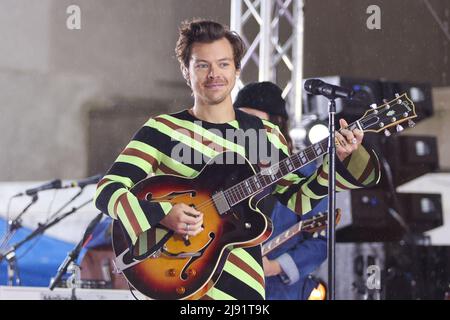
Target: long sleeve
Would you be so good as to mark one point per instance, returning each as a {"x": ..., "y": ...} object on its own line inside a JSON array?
[
  {"x": 113, "y": 197},
  {"x": 301, "y": 193},
  {"x": 301, "y": 260}
]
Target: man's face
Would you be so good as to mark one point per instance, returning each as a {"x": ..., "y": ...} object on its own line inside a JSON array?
[{"x": 212, "y": 73}]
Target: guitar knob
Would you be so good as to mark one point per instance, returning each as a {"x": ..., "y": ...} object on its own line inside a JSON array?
[
  {"x": 387, "y": 133},
  {"x": 181, "y": 290},
  {"x": 171, "y": 272},
  {"x": 411, "y": 123},
  {"x": 399, "y": 128},
  {"x": 192, "y": 272}
]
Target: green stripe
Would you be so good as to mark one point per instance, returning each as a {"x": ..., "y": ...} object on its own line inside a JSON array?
[
  {"x": 205, "y": 133},
  {"x": 247, "y": 257},
  {"x": 99, "y": 190},
  {"x": 177, "y": 166},
  {"x": 370, "y": 178},
  {"x": 275, "y": 140},
  {"x": 141, "y": 146},
  {"x": 136, "y": 161},
  {"x": 142, "y": 243},
  {"x": 113, "y": 200},
  {"x": 178, "y": 136},
  {"x": 291, "y": 177},
  {"x": 307, "y": 191},
  {"x": 123, "y": 218},
  {"x": 137, "y": 211},
  {"x": 291, "y": 202},
  {"x": 306, "y": 204},
  {"x": 240, "y": 274},
  {"x": 359, "y": 161},
  {"x": 127, "y": 182},
  {"x": 217, "y": 294},
  {"x": 166, "y": 207}
]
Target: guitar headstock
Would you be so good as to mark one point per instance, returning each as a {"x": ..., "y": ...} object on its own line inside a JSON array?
[
  {"x": 390, "y": 114},
  {"x": 319, "y": 222}
]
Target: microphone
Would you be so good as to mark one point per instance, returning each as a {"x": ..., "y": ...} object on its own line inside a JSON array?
[
  {"x": 318, "y": 87},
  {"x": 84, "y": 182},
  {"x": 55, "y": 184}
]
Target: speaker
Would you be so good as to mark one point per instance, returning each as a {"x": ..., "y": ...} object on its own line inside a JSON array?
[
  {"x": 422, "y": 211},
  {"x": 407, "y": 272},
  {"x": 365, "y": 217},
  {"x": 368, "y": 215},
  {"x": 410, "y": 157}
]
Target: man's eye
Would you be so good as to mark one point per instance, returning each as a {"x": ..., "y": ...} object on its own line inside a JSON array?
[
  {"x": 203, "y": 65},
  {"x": 225, "y": 64}
]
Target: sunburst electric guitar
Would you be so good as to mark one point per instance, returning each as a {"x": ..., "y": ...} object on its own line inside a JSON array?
[{"x": 179, "y": 268}]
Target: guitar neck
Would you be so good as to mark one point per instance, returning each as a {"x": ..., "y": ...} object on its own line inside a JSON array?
[
  {"x": 311, "y": 225},
  {"x": 276, "y": 172}
]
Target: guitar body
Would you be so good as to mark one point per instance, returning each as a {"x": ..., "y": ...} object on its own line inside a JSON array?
[{"x": 165, "y": 276}]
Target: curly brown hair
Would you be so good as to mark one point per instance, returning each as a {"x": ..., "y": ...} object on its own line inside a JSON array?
[{"x": 206, "y": 31}]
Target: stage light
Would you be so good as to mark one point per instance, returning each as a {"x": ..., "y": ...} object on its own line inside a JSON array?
[{"x": 317, "y": 131}]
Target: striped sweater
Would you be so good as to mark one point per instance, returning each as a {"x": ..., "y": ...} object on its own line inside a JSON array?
[{"x": 151, "y": 152}]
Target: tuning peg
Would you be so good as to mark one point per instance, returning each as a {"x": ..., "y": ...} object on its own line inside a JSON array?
[
  {"x": 397, "y": 95},
  {"x": 385, "y": 101},
  {"x": 411, "y": 123},
  {"x": 387, "y": 133},
  {"x": 373, "y": 106},
  {"x": 399, "y": 128}
]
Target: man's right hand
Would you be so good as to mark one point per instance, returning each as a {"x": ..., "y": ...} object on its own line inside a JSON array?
[{"x": 184, "y": 220}]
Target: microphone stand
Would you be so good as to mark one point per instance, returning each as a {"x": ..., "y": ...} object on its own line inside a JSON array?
[
  {"x": 10, "y": 254},
  {"x": 73, "y": 255},
  {"x": 331, "y": 227},
  {"x": 13, "y": 226},
  {"x": 66, "y": 204}
]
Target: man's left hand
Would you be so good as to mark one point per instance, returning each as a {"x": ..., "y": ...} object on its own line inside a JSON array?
[{"x": 347, "y": 141}]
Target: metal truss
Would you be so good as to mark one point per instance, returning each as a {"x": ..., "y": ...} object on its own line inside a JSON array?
[{"x": 267, "y": 51}]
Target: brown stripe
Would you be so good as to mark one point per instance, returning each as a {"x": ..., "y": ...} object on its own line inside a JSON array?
[
  {"x": 269, "y": 129},
  {"x": 194, "y": 136},
  {"x": 366, "y": 173},
  {"x": 129, "y": 213},
  {"x": 284, "y": 183},
  {"x": 278, "y": 134},
  {"x": 298, "y": 203},
  {"x": 142, "y": 155},
  {"x": 241, "y": 264},
  {"x": 102, "y": 182},
  {"x": 166, "y": 170},
  {"x": 324, "y": 175}
]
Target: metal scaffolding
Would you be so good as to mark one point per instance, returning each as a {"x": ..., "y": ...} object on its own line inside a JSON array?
[{"x": 273, "y": 20}]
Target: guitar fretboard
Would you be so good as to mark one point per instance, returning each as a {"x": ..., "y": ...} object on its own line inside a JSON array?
[{"x": 268, "y": 176}]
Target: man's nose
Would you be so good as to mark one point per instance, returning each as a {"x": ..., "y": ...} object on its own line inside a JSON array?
[{"x": 212, "y": 72}]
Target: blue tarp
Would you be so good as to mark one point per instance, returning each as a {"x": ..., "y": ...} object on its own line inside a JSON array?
[{"x": 38, "y": 259}]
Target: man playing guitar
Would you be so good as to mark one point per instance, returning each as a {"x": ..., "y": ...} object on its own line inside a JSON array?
[{"x": 180, "y": 144}]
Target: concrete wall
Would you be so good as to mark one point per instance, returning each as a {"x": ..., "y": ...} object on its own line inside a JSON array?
[{"x": 52, "y": 77}]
